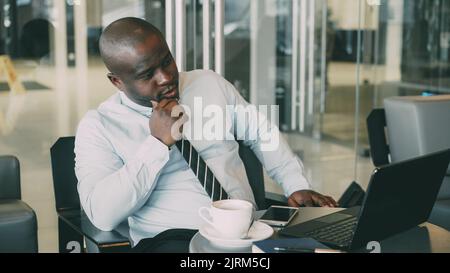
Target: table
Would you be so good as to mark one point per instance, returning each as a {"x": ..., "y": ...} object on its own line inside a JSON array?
[{"x": 425, "y": 238}]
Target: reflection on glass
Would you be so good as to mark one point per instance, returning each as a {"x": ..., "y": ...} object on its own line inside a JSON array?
[
  {"x": 10, "y": 115},
  {"x": 237, "y": 45}
]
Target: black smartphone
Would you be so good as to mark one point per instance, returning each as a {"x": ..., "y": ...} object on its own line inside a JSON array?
[{"x": 278, "y": 216}]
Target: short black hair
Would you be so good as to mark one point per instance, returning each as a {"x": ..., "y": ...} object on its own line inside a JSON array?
[{"x": 122, "y": 35}]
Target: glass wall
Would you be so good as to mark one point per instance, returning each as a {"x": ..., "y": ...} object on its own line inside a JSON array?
[
  {"x": 301, "y": 56},
  {"x": 405, "y": 52},
  {"x": 325, "y": 63}
]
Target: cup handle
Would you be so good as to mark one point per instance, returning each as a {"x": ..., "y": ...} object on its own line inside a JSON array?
[{"x": 205, "y": 215}]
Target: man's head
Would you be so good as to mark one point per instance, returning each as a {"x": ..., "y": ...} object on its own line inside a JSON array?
[{"x": 139, "y": 61}]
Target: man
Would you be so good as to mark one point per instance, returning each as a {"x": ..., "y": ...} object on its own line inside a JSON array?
[{"x": 126, "y": 164}]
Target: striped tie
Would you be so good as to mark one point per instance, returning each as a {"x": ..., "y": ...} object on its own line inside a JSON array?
[{"x": 201, "y": 170}]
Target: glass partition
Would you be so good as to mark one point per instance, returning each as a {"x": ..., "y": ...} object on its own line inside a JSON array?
[
  {"x": 405, "y": 53},
  {"x": 325, "y": 63}
]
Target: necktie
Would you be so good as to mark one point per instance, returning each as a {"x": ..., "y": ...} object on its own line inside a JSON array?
[{"x": 201, "y": 170}]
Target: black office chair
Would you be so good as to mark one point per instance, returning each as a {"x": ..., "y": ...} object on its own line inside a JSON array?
[
  {"x": 376, "y": 127},
  {"x": 75, "y": 227},
  {"x": 18, "y": 223},
  {"x": 381, "y": 155}
]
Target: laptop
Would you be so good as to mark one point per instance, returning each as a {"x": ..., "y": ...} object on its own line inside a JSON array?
[{"x": 400, "y": 196}]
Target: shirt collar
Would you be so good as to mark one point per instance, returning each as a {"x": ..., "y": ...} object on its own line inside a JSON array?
[{"x": 144, "y": 110}]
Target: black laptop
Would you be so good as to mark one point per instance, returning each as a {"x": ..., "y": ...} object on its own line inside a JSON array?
[{"x": 400, "y": 196}]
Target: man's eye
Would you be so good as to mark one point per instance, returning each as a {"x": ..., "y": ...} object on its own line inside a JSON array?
[
  {"x": 148, "y": 75},
  {"x": 167, "y": 61}
]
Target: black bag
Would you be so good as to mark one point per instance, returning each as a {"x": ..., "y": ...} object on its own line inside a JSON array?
[{"x": 353, "y": 196}]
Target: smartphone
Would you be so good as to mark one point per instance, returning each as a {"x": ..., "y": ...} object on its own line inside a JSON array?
[{"x": 278, "y": 216}]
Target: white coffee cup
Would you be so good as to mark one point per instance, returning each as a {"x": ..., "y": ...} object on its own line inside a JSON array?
[{"x": 231, "y": 218}]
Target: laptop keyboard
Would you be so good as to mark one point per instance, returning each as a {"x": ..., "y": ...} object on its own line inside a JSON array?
[{"x": 340, "y": 233}]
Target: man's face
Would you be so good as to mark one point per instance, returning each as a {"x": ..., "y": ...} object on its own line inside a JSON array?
[{"x": 148, "y": 73}]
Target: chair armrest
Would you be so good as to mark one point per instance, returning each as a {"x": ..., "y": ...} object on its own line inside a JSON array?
[
  {"x": 9, "y": 178},
  {"x": 18, "y": 227},
  {"x": 79, "y": 222},
  {"x": 275, "y": 199}
]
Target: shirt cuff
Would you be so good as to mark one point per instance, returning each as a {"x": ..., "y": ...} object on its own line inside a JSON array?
[
  {"x": 153, "y": 150},
  {"x": 291, "y": 187}
]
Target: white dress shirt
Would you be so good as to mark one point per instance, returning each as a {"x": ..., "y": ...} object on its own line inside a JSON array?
[{"x": 124, "y": 173}]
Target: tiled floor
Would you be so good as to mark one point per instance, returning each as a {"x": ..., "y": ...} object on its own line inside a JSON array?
[{"x": 36, "y": 119}]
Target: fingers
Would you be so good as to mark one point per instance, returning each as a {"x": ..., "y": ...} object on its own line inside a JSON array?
[
  {"x": 300, "y": 198},
  {"x": 168, "y": 103},
  {"x": 162, "y": 103},
  {"x": 293, "y": 203},
  {"x": 321, "y": 202},
  {"x": 310, "y": 199},
  {"x": 306, "y": 201},
  {"x": 324, "y": 201},
  {"x": 330, "y": 202},
  {"x": 319, "y": 199},
  {"x": 335, "y": 204}
]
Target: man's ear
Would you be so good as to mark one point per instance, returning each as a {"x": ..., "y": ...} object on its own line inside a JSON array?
[{"x": 116, "y": 81}]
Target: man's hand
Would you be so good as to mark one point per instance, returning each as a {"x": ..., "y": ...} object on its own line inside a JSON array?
[
  {"x": 161, "y": 121},
  {"x": 310, "y": 198}
]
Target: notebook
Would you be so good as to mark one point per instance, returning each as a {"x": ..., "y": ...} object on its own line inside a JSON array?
[{"x": 268, "y": 246}]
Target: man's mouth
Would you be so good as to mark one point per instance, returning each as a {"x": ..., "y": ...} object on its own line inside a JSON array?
[{"x": 169, "y": 92}]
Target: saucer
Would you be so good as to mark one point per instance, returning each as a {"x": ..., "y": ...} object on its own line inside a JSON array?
[
  {"x": 259, "y": 231},
  {"x": 200, "y": 244}
]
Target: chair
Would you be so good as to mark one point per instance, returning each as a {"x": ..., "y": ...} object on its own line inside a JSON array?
[
  {"x": 75, "y": 227},
  {"x": 410, "y": 127},
  {"x": 18, "y": 224}
]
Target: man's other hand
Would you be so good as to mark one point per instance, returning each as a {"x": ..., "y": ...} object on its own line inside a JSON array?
[{"x": 310, "y": 198}]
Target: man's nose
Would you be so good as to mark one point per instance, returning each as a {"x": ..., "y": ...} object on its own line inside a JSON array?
[{"x": 163, "y": 77}]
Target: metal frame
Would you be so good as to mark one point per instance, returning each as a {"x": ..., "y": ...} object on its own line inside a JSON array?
[
  {"x": 169, "y": 25},
  {"x": 311, "y": 53},
  {"x": 219, "y": 53},
  {"x": 180, "y": 34},
  {"x": 60, "y": 35},
  {"x": 206, "y": 34},
  {"x": 177, "y": 10},
  {"x": 295, "y": 34},
  {"x": 302, "y": 71},
  {"x": 80, "y": 25}
]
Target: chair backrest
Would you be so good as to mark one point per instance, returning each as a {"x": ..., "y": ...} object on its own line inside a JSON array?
[
  {"x": 417, "y": 125},
  {"x": 255, "y": 175},
  {"x": 9, "y": 178},
  {"x": 65, "y": 181},
  {"x": 376, "y": 127},
  {"x": 63, "y": 170},
  {"x": 413, "y": 126}
]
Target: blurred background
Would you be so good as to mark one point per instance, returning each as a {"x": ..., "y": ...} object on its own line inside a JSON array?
[{"x": 326, "y": 63}]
